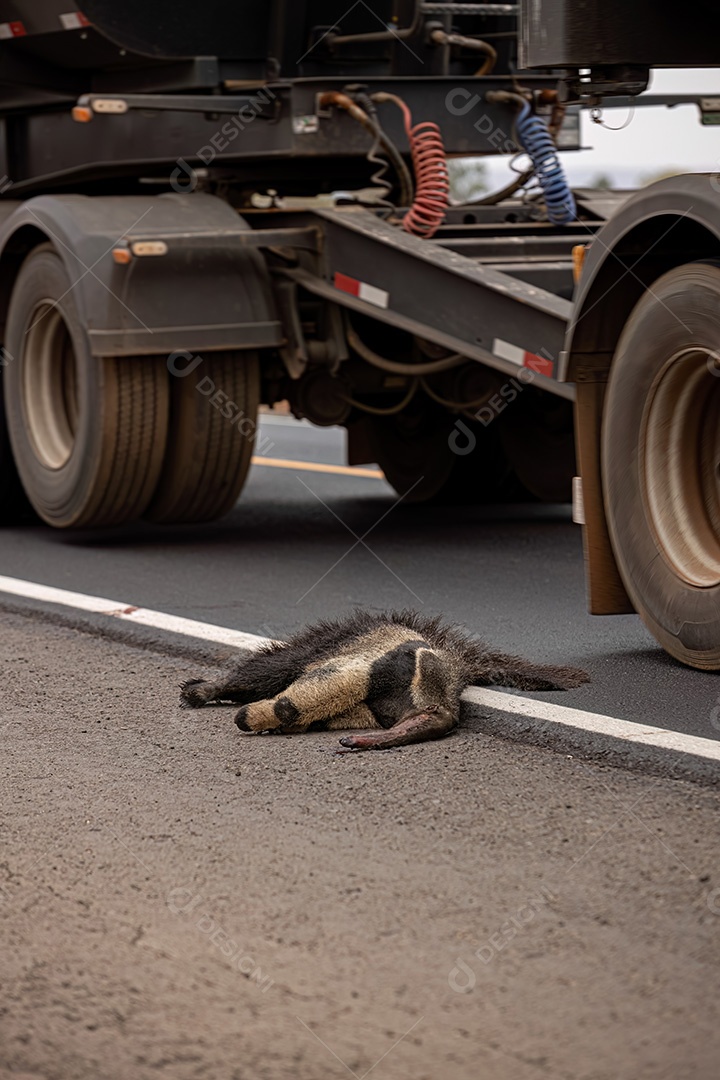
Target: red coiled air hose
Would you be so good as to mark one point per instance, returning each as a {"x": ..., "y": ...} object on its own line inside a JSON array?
[{"x": 432, "y": 180}]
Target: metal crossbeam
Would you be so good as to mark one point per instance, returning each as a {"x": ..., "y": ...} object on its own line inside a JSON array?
[{"x": 469, "y": 9}]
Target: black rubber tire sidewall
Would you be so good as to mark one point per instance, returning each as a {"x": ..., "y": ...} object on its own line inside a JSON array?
[
  {"x": 119, "y": 402},
  {"x": 15, "y": 508},
  {"x": 682, "y": 310},
  {"x": 411, "y": 448}
]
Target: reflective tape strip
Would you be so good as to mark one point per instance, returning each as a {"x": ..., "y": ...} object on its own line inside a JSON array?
[
  {"x": 12, "y": 29},
  {"x": 73, "y": 20},
  {"x": 543, "y": 365},
  {"x": 369, "y": 293}
]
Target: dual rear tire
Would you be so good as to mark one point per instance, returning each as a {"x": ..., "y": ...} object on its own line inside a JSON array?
[
  {"x": 525, "y": 455},
  {"x": 105, "y": 440}
]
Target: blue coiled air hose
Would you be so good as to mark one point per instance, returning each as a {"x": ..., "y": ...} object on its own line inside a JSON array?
[{"x": 537, "y": 142}]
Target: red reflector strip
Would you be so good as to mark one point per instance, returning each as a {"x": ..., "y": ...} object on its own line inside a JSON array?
[
  {"x": 543, "y": 365},
  {"x": 12, "y": 29},
  {"x": 540, "y": 364},
  {"x": 364, "y": 291},
  {"x": 347, "y": 284}
]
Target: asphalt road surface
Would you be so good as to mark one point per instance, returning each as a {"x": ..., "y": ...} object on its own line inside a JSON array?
[
  {"x": 180, "y": 901},
  {"x": 289, "y": 554}
]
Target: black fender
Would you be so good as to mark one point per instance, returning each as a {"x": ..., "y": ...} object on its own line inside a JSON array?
[
  {"x": 207, "y": 290},
  {"x": 670, "y": 223}
]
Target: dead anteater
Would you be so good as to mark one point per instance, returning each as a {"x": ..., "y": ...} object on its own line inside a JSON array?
[{"x": 397, "y": 675}]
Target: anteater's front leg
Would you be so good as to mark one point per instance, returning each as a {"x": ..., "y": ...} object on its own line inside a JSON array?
[
  {"x": 432, "y": 723},
  {"x": 257, "y": 677},
  {"x": 327, "y": 691},
  {"x": 198, "y": 692}
]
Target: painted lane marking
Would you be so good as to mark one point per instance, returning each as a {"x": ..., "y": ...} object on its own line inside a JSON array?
[
  {"x": 317, "y": 466},
  {"x": 119, "y": 609},
  {"x": 562, "y": 715},
  {"x": 545, "y": 711}
]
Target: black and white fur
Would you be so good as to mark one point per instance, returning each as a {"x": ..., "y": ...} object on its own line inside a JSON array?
[{"x": 397, "y": 676}]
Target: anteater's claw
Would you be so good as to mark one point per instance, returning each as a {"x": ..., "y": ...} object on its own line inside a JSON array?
[{"x": 240, "y": 719}]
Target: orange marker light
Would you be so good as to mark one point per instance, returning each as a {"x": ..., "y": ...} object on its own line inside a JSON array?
[
  {"x": 122, "y": 256},
  {"x": 82, "y": 114},
  {"x": 578, "y": 258}
]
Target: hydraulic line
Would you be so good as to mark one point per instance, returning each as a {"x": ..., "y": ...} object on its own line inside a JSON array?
[
  {"x": 523, "y": 177},
  {"x": 469, "y": 9},
  {"x": 334, "y": 40},
  {"x": 432, "y": 367},
  {"x": 461, "y": 406},
  {"x": 439, "y": 37},
  {"x": 504, "y": 193},
  {"x": 377, "y": 158},
  {"x": 392, "y": 409},
  {"x": 379, "y": 178},
  {"x": 344, "y": 101},
  {"x": 432, "y": 195},
  {"x": 432, "y": 180},
  {"x": 538, "y": 143}
]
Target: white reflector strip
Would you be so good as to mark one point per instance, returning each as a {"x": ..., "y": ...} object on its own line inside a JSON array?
[
  {"x": 506, "y": 351},
  {"x": 372, "y": 295},
  {"x": 73, "y": 20},
  {"x": 109, "y": 105},
  {"x": 149, "y": 247}
]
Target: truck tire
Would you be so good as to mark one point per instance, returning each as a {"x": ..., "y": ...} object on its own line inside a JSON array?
[
  {"x": 412, "y": 450},
  {"x": 87, "y": 433},
  {"x": 415, "y": 451},
  {"x": 14, "y": 506},
  {"x": 483, "y": 477},
  {"x": 213, "y": 419},
  {"x": 661, "y": 462},
  {"x": 538, "y": 437}
]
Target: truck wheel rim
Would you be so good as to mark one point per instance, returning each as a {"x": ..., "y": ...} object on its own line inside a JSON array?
[
  {"x": 50, "y": 386},
  {"x": 680, "y": 465}
]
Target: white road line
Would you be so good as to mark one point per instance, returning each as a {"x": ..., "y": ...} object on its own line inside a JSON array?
[
  {"x": 595, "y": 722},
  {"x": 545, "y": 711},
  {"x": 158, "y": 620}
]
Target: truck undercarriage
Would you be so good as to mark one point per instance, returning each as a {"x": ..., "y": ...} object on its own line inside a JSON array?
[{"x": 261, "y": 206}]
